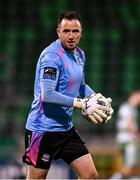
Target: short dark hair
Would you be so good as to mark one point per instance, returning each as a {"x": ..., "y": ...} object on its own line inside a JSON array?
[{"x": 69, "y": 15}]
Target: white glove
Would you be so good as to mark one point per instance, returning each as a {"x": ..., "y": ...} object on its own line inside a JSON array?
[
  {"x": 96, "y": 112},
  {"x": 107, "y": 102},
  {"x": 111, "y": 110},
  {"x": 91, "y": 104}
]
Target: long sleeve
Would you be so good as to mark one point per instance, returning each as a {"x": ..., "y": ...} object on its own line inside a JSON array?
[{"x": 49, "y": 95}]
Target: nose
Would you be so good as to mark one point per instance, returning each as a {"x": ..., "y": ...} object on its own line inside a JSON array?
[{"x": 71, "y": 36}]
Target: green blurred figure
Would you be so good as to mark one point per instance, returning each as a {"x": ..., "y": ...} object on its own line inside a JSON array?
[{"x": 128, "y": 136}]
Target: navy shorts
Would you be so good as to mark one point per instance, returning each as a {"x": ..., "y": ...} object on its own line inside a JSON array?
[{"x": 43, "y": 147}]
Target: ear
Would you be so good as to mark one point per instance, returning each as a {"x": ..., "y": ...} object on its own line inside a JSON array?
[
  {"x": 58, "y": 31},
  {"x": 81, "y": 32}
]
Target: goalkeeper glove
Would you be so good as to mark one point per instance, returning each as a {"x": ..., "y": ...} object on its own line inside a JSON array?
[
  {"x": 90, "y": 107},
  {"x": 107, "y": 102}
]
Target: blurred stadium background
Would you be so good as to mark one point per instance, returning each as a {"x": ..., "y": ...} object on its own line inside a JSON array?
[{"x": 111, "y": 44}]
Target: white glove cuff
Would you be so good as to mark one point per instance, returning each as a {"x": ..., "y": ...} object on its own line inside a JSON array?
[{"x": 78, "y": 102}]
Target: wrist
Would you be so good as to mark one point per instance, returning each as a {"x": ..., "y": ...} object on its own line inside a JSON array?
[{"x": 78, "y": 103}]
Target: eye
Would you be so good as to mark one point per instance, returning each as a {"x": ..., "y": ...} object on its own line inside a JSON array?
[
  {"x": 66, "y": 30},
  {"x": 76, "y": 31}
]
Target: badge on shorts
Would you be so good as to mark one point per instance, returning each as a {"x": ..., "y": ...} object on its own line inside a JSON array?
[
  {"x": 45, "y": 157},
  {"x": 49, "y": 73}
]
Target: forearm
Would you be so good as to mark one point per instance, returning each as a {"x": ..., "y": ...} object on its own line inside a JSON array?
[{"x": 49, "y": 95}]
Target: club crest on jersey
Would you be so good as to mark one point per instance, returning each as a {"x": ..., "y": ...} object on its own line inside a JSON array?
[
  {"x": 80, "y": 61},
  {"x": 49, "y": 73}
]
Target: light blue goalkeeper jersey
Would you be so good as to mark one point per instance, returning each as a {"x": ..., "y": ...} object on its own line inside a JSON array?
[{"x": 59, "y": 79}]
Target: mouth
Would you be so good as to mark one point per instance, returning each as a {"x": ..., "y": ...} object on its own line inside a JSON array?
[{"x": 71, "y": 42}]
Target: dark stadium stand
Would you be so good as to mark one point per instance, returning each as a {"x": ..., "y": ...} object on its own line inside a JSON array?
[{"x": 110, "y": 41}]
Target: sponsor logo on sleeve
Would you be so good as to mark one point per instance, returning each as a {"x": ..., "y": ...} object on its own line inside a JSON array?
[{"x": 49, "y": 73}]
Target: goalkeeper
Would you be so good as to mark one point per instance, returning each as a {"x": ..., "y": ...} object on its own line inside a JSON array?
[{"x": 59, "y": 81}]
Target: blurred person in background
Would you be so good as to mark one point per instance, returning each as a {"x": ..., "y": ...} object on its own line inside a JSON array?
[
  {"x": 128, "y": 137},
  {"x": 50, "y": 133}
]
